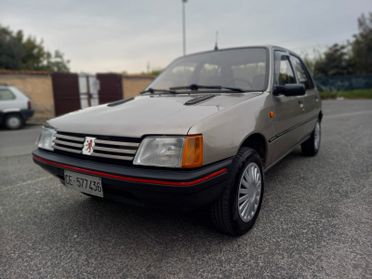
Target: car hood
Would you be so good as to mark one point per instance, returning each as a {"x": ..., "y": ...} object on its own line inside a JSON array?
[{"x": 144, "y": 115}]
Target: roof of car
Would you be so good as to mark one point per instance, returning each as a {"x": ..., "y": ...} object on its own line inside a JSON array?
[{"x": 270, "y": 47}]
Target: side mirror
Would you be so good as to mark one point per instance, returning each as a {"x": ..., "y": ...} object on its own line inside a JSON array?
[{"x": 289, "y": 90}]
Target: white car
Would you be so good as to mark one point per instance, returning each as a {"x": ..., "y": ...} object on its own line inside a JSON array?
[{"x": 15, "y": 107}]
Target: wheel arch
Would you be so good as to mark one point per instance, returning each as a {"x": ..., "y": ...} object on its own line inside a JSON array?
[{"x": 258, "y": 142}]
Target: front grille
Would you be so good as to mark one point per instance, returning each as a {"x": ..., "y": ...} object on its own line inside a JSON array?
[{"x": 116, "y": 148}]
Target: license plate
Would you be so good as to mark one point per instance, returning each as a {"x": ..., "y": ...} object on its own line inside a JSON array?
[{"x": 84, "y": 183}]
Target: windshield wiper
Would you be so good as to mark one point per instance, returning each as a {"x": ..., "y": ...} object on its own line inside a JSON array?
[
  {"x": 158, "y": 91},
  {"x": 196, "y": 87}
]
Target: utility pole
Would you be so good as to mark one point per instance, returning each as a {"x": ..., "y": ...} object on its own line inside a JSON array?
[{"x": 184, "y": 25}]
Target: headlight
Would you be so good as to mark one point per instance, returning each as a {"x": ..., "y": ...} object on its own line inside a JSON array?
[
  {"x": 171, "y": 151},
  {"x": 46, "y": 138}
]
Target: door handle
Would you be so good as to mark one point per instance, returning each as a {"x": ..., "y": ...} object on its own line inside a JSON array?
[{"x": 301, "y": 103}]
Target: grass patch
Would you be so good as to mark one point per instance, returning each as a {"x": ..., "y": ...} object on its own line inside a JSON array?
[{"x": 350, "y": 94}]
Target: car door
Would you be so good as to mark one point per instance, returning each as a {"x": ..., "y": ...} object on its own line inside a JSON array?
[
  {"x": 288, "y": 109},
  {"x": 311, "y": 100}
]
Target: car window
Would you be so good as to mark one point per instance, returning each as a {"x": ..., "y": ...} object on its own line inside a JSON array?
[
  {"x": 249, "y": 75},
  {"x": 283, "y": 70},
  {"x": 6, "y": 94},
  {"x": 301, "y": 72},
  {"x": 244, "y": 68},
  {"x": 181, "y": 74},
  {"x": 209, "y": 74}
]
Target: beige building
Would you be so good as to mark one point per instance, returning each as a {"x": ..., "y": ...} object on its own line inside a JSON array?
[
  {"x": 133, "y": 84},
  {"x": 38, "y": 86}
]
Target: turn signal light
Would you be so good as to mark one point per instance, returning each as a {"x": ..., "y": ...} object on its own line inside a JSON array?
[{"x": 192, "y": 156}]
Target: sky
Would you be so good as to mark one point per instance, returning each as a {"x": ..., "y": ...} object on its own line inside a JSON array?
[{"x": 128, "y": 35}]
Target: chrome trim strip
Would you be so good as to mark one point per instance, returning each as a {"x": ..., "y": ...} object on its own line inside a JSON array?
[
  {"x": 68, "y": 149},
  {"x": 128, "y": 158},
  {"x": 121, "y": 143},
  {"x": 78, "y": 145},
  {"x": 115, "y": 150},
  {"x": 292, "y": 128},
  {"x": 69, "y": 137}
]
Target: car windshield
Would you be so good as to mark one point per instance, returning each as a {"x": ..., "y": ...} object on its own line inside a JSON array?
[{"x": 244, "y": 68}]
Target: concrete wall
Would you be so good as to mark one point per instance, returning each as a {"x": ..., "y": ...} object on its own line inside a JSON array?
[
  {"x": 38, "y": 87},
  {"x": 134, "y": 84}
]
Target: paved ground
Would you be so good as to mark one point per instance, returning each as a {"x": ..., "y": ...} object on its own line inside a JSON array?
[{"x": 316, "y": 220}]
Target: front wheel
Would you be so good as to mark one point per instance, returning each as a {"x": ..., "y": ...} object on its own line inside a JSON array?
[
  {"x": 311, "y": 146},
  {"x": 236, "y": 210}
]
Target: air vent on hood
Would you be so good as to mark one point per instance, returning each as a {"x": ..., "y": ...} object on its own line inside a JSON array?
[{"x": 198, "y": 99}]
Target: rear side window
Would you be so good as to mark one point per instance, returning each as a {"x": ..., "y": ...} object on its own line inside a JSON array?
[
  {"x": 301, "y": 72},
  {"x": 6, "y": 94},
  {"x": 283, "y": 70}
]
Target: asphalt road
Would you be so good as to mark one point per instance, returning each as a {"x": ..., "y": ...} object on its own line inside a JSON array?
[{"x": 316, "y": 219}]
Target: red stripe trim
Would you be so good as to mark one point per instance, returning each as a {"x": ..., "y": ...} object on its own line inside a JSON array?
[{"x": 133, "y": 179}]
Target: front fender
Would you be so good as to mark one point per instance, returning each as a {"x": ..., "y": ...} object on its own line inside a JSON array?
[{"x": 224, "y": 131}]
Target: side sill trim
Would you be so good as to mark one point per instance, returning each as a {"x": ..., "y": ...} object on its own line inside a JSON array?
[{"x": 133, "y": 179}]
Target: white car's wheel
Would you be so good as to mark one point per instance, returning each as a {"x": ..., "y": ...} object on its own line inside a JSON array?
[{"x": 13, "y": 121}]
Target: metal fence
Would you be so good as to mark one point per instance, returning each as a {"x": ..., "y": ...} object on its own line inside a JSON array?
[{"x": 343, "y": 83}]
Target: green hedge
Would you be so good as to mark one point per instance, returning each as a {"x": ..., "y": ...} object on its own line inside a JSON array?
[{"x": 349, "y": 94}]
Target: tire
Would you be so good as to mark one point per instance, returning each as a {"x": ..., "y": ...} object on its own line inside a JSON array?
[
  {"x": 311, "y": 146},
  {"x": 225, "y": 213},
  {"x": 13, "y": 121}
]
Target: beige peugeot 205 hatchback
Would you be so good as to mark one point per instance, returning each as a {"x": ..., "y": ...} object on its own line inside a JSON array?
[{"x": 202, "y": 134}]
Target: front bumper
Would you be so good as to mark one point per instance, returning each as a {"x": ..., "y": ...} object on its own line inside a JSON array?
[{"x": 183, "y": 189}]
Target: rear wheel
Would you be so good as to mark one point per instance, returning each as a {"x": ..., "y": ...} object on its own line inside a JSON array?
[
  {"x": 311, "y": 146},
  {"x": 13, "y": 121},
  {"x": 236, "y": 210}
]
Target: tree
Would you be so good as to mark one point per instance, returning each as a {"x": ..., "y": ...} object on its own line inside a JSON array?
[
  {"x": 57, "y": 62},
  {"x": 310, "y": 58},
  {"x": 11, "y": 51},
  {"x": 153, "y": 72},
  {"x": 362, "y": 46},
  {"x": 18, "y": 52},
  {"x": 334, "y": 61}
]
